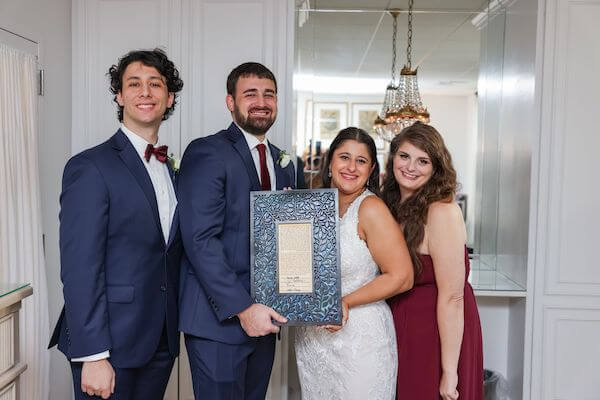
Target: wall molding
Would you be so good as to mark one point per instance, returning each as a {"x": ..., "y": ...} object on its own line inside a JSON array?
[
  {"x": 557, "y": 375},
  {"x": 559, "y": 279}
]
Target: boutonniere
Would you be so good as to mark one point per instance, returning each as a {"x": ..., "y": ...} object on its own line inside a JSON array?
[
  {"x": 174, "y": 162},
  {"x": 284, "y": 159}
]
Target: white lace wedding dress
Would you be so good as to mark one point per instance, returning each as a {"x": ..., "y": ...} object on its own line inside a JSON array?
[{"x": 360, "y": 360}]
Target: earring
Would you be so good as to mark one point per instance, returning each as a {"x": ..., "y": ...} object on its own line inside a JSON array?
[{"x": 329, "y": 174}]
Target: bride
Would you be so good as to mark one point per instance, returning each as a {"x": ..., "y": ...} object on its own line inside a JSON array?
[{"x": 357, "y": 360}]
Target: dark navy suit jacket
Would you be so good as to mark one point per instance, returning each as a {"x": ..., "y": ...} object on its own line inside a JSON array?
[
  {"x": 120, "y": 278},
  {"x": 216, "y": 177}
]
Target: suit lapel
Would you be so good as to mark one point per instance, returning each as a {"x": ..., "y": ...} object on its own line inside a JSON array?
[
  {"x": 240, "y": 145},
  {"x": 175, "y": 220},
  {"x": 279, "y": 172},
  {"x": 133, "y": 162},
  {"x": 174, "y": 226}
]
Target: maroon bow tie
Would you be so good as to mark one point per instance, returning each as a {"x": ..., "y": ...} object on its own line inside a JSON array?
[{"x": 159, "y": 152}]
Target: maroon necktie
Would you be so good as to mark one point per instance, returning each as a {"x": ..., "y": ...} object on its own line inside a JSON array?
[
  {"x": 159, "y": 152},
  {"x": 265, "y": 179}
]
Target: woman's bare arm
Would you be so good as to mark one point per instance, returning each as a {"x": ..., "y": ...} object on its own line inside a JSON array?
[
  {"x": 386, "y": 243},
  {"x": 446, "y": 243}
]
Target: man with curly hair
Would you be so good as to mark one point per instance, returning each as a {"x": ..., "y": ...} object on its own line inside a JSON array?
[{"x": 120, "y": 244}]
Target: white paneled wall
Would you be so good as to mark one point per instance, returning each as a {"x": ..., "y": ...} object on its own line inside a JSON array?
[
  {"x": 565, "y": 311},
  {"x": 217, "y": 35},
  {"x": 102, "y": 32},
  {"x": 205, "y": 39},
  {"x": 570, "y": 361},
  {"x": 572, "y": 164}
]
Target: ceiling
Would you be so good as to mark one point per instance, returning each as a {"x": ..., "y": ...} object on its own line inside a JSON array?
[{"x": 334, "y": 39}]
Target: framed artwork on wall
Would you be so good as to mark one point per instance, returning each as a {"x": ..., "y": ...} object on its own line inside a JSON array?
[
  {"x": 363, "y": 116},
  {"x": 328, "y": 120}
]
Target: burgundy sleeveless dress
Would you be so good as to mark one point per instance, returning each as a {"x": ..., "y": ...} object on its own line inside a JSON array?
[{"x": 418, "y": 340}]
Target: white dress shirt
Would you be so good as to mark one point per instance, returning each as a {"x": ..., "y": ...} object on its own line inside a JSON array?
[
  {"x": 161, "y": 182},
  {"x": 252, "y": 142},
  {"x": 165, "y": 198}
]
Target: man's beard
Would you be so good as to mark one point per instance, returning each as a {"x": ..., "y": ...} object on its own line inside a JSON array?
[{"x": 254, "y": 126}]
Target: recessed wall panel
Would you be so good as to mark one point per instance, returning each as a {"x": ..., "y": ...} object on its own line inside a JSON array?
[
  {"x": 225, "y": 46},
  {"x": 571, "y": 354},
  {"x": 574, "y": 215},
  {"x": 103, "y": 31}
]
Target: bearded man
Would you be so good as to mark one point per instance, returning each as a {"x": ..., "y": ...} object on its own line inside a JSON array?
[{"x": 229, "y": 338}]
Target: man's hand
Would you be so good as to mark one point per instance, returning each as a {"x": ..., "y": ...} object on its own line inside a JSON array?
[
  {"x": 256, "y": 320},
  {"x": 98, "y": 378}
]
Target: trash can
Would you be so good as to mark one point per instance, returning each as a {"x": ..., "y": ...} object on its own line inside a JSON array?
[{"x": 495, "y": 386}]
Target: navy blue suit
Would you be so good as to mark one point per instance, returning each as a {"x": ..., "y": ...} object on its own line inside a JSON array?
[
  {"x": 216, "y": 177},
  {"x": 120, "y": 279}
]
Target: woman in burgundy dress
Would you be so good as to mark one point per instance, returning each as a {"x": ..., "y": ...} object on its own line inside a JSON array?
[{"x": 437, "y": 323}]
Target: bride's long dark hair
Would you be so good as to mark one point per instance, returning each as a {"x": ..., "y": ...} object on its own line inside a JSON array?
[{"x": 411, "y": 212}]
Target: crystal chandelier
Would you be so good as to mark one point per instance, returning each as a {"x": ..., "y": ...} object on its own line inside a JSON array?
[{"x": 402, "y": 104}]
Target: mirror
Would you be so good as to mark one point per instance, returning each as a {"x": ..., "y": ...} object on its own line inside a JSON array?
[{"x": 343, "y": 63}]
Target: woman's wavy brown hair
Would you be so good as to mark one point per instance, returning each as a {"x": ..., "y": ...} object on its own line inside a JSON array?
[{"x": 411, "y": 212}]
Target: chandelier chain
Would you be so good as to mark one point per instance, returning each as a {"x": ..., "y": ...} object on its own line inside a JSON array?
[
  {"x": 402, "y": 104},
  {"x": 394, "y": 34},
  {"x": 410, "y": 32}
]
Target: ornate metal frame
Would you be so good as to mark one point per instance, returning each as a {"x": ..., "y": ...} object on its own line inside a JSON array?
[{"x": 320, "y": 207}]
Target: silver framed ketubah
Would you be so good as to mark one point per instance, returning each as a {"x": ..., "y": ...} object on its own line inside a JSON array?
[{"x": 294, "y": 253}]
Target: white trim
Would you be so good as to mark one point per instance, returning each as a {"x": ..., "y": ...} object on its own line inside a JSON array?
[
  {"x": 500, "y": 293},
  {"x": 79, "y": 81},
  {"x": 535, "y": 207}
]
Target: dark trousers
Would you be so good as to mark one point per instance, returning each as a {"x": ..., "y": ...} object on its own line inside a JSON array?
[
  {"x": 230, "y": 371},
  {"x": 148, "y": 382}
]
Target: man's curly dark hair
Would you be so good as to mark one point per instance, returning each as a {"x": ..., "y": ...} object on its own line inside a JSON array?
[{"x": 156, "y": 58}]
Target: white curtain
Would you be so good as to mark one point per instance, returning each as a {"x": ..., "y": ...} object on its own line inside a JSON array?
[{"x": 21, "y": 251}]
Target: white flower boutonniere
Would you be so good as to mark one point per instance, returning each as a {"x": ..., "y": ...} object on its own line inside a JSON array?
[
  {"x": 284, "y": 159},
  {"x": 174, "y": 162}
]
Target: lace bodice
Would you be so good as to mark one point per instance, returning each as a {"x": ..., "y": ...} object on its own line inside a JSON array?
[{"x": 360, "y": 360}]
